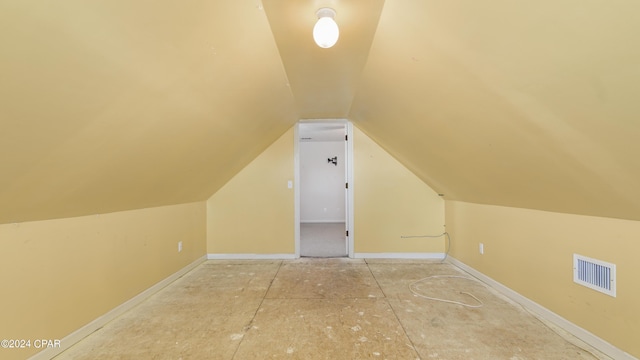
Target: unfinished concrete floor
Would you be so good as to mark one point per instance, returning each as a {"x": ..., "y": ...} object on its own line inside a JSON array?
[{"x": 326, "y": 309}]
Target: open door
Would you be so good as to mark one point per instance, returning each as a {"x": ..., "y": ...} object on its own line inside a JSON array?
[{"x": 322, "y": 200}]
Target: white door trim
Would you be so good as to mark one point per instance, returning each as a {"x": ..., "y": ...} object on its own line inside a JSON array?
[
  {"x": 349, "y": 177},
  {"x": 296, "y": 188},
  {"x": 350, "y": 212}
]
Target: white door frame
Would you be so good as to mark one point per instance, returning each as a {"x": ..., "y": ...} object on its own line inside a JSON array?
[{"x": 349, "y": 177}]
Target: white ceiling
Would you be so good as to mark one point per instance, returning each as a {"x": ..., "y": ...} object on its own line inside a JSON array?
[{"x": 309, "y": 132}]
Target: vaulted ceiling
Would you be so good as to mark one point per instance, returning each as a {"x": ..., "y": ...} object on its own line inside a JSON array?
[{"x": 110, "y": 105}]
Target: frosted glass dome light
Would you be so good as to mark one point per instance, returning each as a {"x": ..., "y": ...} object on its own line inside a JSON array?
[{"x": 326, "y": 32}]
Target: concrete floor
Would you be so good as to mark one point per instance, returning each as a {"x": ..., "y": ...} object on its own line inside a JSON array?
[{"x": 326, "y": 309}]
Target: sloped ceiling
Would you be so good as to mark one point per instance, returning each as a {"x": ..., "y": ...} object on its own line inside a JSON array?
[
  {"x": 323, "y": 81},
  {"x": 113, "y": 105},
  {"x": 516, "y": 103},
  {"x": 117, "y": 105}
]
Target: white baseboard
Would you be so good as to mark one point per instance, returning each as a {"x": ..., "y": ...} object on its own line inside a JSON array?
[
  {"x": 544, "y": 313},
  {"x": 435, "y": 256},
  {"x": 251, "y": 256},
  {"x": 99, "y": 322},
  {"x": 336, "y": 221}
]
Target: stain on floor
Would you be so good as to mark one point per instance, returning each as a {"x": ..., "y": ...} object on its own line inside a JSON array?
[{"x": 327, "y": 309}]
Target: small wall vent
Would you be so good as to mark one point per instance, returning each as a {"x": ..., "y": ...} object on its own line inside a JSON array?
[{"x": 595, "y": 274}]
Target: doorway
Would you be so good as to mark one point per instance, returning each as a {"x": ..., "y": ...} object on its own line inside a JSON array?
[{"x": 323, "y": 196}]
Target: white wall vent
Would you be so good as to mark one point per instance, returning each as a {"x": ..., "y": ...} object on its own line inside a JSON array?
[{"x": 595, "y": 274}]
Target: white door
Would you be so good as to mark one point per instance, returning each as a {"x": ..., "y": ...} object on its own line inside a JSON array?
[{"x": 323, "y": 204}]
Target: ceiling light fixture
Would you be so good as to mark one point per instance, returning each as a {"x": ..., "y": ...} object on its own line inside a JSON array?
[{"x": 326, "y": 32}]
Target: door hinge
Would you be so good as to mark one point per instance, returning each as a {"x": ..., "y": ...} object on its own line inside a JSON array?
[
  {"x": 347, "y": 233},
  {"x": 346, "y": 138},
  {"x": 346, "y": 185}
]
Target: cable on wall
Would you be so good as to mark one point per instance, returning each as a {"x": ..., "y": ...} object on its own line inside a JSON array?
[
  {"x": 446, "y": 234},
  {"x": 413, "y": 287}
]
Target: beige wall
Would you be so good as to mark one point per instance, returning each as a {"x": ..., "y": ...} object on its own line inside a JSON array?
[
  {"x": 254, "y": 212},
  {"x": 59, "y": 275},
  {"x": 532, "y": 251},
  {"x": 390, "y": 201}
]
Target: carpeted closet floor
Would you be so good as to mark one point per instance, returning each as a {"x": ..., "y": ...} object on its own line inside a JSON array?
[{"x": 323, "y": 240}]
